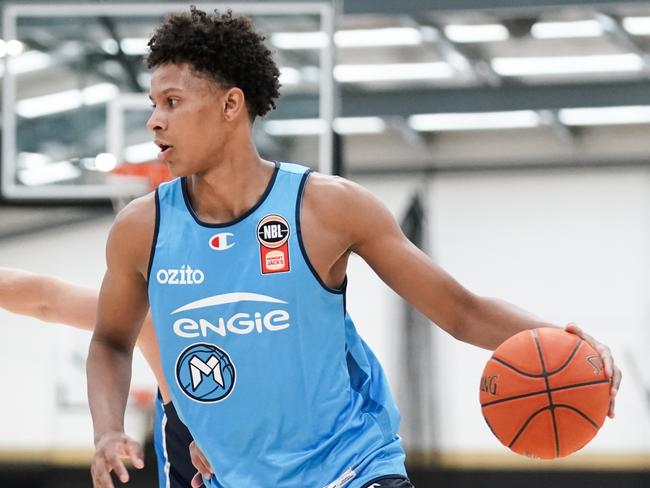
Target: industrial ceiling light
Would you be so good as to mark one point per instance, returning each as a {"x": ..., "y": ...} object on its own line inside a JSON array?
[
  {"x": 637, "y": 114},
  {"x": 341, "y": 125},
  {"x": 391, "y": 36},
  {"x": 477, "y": 33},
  {"x": 518, "y": 119},
  {"x": 353, "y": 38},
  {"x": 567, "y": 30},
  {"x": 560, "y": 65},
  {"x": 299, "y": 40},
  {"x": 637, "y": 26},
  {"x": 359, "y": 125},
  {"x": 65, "y": 100},
  {"x": 27, "y": 62},
  {"x": 351, "y": 73}
]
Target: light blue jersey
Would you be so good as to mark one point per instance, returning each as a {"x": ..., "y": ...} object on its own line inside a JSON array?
[{"x": 263, "y": 364}]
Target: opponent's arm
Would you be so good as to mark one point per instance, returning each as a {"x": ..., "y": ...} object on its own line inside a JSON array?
[
  {"x": 121, "y": 310},
  {"x": 54, "y": 300},
  {"x": 47, "y": 298}
]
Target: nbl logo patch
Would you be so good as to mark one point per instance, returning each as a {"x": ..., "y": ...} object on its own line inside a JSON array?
[
  {"x": 205, "y": 373},
  {"x": 273, "y": 235}
]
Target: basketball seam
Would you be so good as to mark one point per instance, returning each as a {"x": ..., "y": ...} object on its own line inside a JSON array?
[
  {"x": 553, "y": 390},
  {"x": 548, "y": 389},
  {"x": 585, "y": 416},
  {"x": 523, "y": 427},
  {"x": 541, "y": 375}
]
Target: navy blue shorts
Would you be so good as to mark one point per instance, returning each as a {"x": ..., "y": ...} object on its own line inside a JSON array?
[
  {"x": 172, "y": 444},
  {"x": 389, "y": 481},
  {"x": 175, "y": 469}
]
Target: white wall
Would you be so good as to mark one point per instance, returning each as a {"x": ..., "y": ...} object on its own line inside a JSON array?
[
  {"x": 566, "y": 246},
  {"x": 44, "y": 385}
]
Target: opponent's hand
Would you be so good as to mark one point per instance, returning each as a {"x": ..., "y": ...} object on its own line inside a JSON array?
[
  {"x": 201, "y": 464},
  {"x": 611, "y": 370},
  {"x": 111, "y": 448}
]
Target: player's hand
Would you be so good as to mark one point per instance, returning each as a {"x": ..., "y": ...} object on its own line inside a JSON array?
[
  {"x": 201, "y": 464},
  {"x": 111, "y": 448},
  {"x": 611, "y": 370}
]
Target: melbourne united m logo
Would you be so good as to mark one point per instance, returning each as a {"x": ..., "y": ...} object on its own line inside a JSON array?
[{"x": 205, "y": 373}]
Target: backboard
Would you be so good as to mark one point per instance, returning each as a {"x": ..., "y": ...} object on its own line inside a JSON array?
[{"x": 75, "y": 92}]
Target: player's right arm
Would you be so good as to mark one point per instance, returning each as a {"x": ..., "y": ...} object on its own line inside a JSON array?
[{"x": 122, "y": 307}]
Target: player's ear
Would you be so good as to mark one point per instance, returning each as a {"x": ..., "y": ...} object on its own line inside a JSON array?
[{"x": 233, "y": 103}]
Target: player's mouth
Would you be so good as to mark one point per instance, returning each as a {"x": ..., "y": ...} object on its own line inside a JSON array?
[{"x": 165, "y": 150}]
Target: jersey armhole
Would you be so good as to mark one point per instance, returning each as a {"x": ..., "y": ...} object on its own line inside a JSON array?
[
  {"x": 154, "y": 241},
  {"x": 301, "y": 191}
]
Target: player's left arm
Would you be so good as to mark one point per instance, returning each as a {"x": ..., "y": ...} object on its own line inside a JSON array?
[{"x": 485, "y": 322}]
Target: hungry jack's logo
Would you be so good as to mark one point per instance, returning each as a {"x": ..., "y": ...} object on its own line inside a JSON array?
[{"x": 273, "y": 235}]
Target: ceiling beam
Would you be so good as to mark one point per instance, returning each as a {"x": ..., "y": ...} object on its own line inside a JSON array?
[
  {"x": 409, "y": 7},
  {"x": 355, "y": 103}
]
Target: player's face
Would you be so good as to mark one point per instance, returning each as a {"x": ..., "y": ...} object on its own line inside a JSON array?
[{"x": 187, "y": 120}]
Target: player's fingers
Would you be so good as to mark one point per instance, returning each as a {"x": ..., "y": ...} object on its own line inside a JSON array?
[
  {"x": 574, "y": 329},
  {"x": 134, "y": 453},
  {"x": 616, "y": 381},
  {"x": 612, "y": 405},
  {"x": 199, "y": 461},
  {"x": 101, "y": 474},
  {"x": 202, "y": 467},
  {"x": 197, "y": 481},
  {"x": 608, "y": 361},
  {"x": 120, "y": 470},
  {"x": 603, "y": 351}
]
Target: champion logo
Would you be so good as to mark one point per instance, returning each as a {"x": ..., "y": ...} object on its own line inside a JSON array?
[{"x": 222, "y": 241}]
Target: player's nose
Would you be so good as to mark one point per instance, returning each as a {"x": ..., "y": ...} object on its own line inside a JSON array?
[{"x": 156, "y": 122}]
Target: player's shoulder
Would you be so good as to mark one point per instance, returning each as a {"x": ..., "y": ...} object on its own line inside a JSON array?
[
  {"x": 340, "y": 195},
  {"x": 347, "y": 208},
  {"x": 332, "y": 190},
  {"x": 137, "y": 220},
  {"x": 341, "y": 206}
]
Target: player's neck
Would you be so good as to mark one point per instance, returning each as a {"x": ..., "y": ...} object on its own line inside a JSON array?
[{"x": 231, "y": 187}]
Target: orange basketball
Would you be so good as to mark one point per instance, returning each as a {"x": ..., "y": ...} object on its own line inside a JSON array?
[{"x": 544, "y": 393}]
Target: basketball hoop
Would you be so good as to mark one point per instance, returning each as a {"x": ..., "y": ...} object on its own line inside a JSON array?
[
  {"x": 142, "y": 398},
  {"x": 135, "y": 180}
]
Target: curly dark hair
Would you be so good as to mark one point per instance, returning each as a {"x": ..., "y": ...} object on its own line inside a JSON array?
[{"x": 223, "y": 47}]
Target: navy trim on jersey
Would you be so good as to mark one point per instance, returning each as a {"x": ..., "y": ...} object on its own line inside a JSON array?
[
  {"x": 301, "y": 191},
  {"x": 266, "y": 193},
  {"x": 155, "y": 235},
  {"x": 359, "y": 381},
  {"x": 393, "y": 480}
]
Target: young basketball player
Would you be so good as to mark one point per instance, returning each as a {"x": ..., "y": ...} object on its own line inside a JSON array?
[
  {"x": 53, "y": 300},
  {"x": 243, "y": 263}
]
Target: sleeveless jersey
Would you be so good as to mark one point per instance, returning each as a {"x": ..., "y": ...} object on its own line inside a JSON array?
[{"x": 264, "y": 365}]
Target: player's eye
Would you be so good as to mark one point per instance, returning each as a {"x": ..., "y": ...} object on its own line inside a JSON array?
[{"x": 172, "y": 101}]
